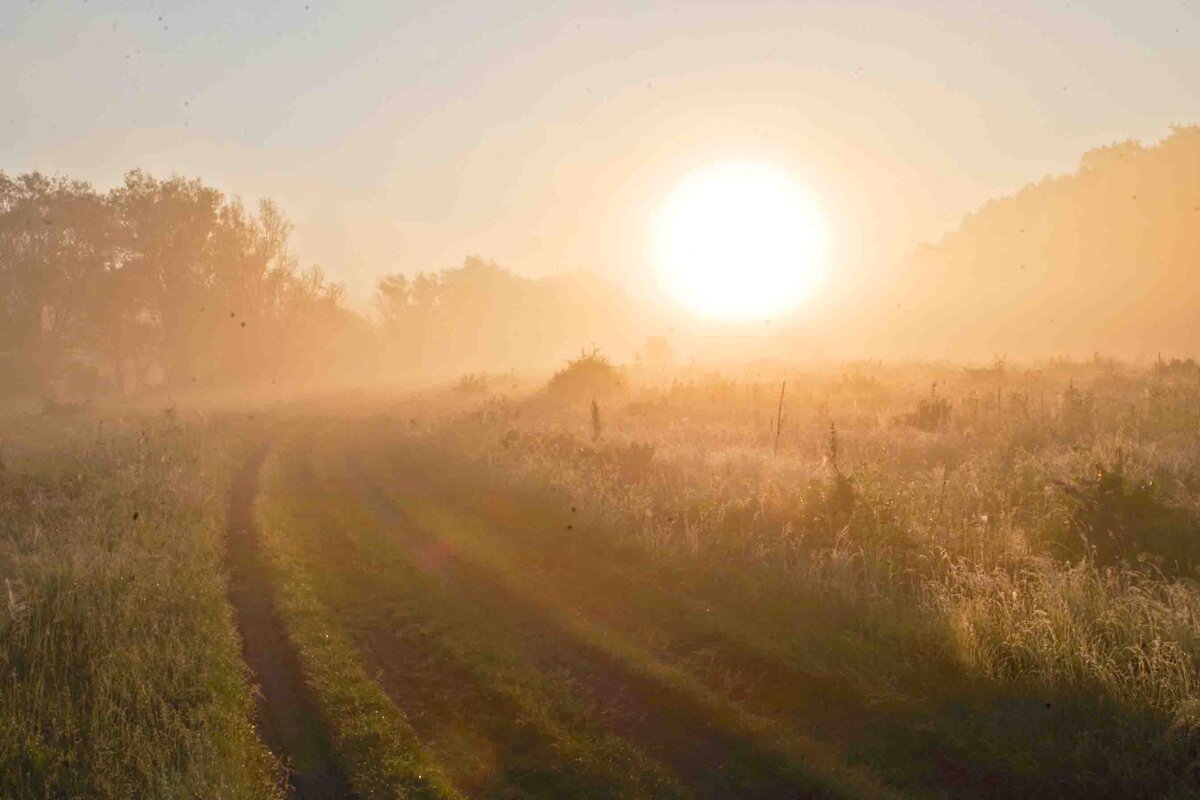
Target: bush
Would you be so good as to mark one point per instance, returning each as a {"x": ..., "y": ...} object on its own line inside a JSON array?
[
  {"x": 932, "y": 414},
  {"x": 1078, "y": 409},
  {"x": 471, "y": 384},
  {"x": 633, "y": 460},
  {"x": 589, "y": 376},
  {"x": 1112, "y": 518}
]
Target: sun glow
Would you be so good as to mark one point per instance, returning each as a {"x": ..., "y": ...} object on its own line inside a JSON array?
[{"x": 740, "y": 240}]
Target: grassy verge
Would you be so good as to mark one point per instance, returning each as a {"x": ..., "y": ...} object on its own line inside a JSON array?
[
  {"x": 120, "y": 667},
  {"x": 377, "y": 748}
]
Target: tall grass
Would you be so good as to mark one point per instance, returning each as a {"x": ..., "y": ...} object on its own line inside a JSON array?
[
  {"x": 1032, "y": 529},
  {"x": 120, "y": 667}
]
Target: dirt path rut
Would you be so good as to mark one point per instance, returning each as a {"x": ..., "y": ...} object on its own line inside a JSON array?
[{"x": 285, "y": 715}]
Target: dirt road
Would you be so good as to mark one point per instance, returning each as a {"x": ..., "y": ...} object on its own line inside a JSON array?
[
  {"x": 286, "y": 718},
  {"x": 525, "y": 670}
]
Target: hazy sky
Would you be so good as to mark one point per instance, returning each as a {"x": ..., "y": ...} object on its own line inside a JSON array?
[{"x": 402, "y": 136}]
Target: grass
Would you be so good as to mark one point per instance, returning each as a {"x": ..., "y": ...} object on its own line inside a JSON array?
[
  {"x": 120, "y": 667},
  {"x": 371, "y": 737},
  {"x": 438, "y": 655},
  {"x": 768, "y": 745},
  {"x": 926, "y": 561},
  {"x": 984, "y": 588}
]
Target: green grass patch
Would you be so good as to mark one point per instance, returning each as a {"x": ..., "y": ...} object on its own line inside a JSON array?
[
  {"x": 371, "y": 737},
  {"x": 120, "y": 666}
]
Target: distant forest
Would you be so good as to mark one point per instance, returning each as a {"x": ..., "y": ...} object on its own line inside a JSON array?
[
  {"x": 169, "y": 284},
  {"x": 1106, "y": 258}
]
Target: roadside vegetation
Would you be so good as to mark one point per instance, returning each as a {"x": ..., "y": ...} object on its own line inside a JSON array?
[
  {"x": 120, "y": 667},
  {"x": 996, "y": 575}
]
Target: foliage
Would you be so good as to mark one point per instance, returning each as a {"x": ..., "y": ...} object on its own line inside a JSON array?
[
  {"x": 1177, "y": 369},
  {"x": 122, "y": 670},
  {"x": 655, "y": 352},
  {"x": 154, "y": 282},
  {"x": 1114, "y": 519},
  {"x": 931, "y": 414},
  {"x": 590, "y": 375},
  {"x": 481, "y": 316},
  {"x": 1024, "y": 271},
  {"x": 472, "y": 383},
  {"x": 840, "y": 496}
]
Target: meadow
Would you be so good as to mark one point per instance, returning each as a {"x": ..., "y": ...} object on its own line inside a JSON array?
[
  {"x": 121, "y": 664},
  {"x": 305, "y": 493},
  {"x": 837, "y": 580}
]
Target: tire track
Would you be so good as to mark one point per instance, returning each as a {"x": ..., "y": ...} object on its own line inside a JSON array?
[
  {"x": 593, "y": 577},
  {"x": 501, "y": 731},
  {"x": 665, "y": 721},
  {"x": 286, "y": 716}
]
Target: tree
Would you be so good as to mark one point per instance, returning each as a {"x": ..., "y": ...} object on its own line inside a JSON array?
[
  {"x": 55, "y": 247},
  {"x": 163, "y": 277},
  {"x": 166, "y": 230}
]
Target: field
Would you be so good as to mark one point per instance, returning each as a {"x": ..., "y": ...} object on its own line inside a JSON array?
[
  {"x": 122, "y": 673},
  {"x": 852, "y": 580}
]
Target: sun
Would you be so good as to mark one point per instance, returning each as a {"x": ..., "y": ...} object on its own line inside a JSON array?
[{"x": 740, "y": 240}]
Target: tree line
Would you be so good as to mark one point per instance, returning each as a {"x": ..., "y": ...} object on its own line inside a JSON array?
[
  {"x": 170, "y": 284},
  {"x": 1106, "y": 257},
  {"x": 481, "y": 316},
  {"x": 154, "y": 283}
]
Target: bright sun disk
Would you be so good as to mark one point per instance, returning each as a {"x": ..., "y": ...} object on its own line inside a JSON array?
[{"x": 740, "y": 240}]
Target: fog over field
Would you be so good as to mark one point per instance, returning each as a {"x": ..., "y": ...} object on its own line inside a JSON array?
[{"x": 613, "y": 400}]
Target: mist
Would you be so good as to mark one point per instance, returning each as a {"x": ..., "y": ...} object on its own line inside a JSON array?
[
  {"x": 170, "y": 285},
  {"x": 498, "y": 401}
]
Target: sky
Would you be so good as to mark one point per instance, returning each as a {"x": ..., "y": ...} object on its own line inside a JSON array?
[{"x": 404, "y": 136}]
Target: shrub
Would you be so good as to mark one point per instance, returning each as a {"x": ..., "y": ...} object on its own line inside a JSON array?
[
  {"x": 589, "y": 376},
  {"x": 932, "y": 413},
  {"x": 472, "y": 384},
  {"x": 1078, "y": 409},
  {"x": 633, "y": 460},
  {"x": 1112, "y": 518}
]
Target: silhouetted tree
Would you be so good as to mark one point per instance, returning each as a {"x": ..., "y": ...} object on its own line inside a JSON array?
[
  {"x": 55, "y": 249},
  {"x": 156, "y": 277}
]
